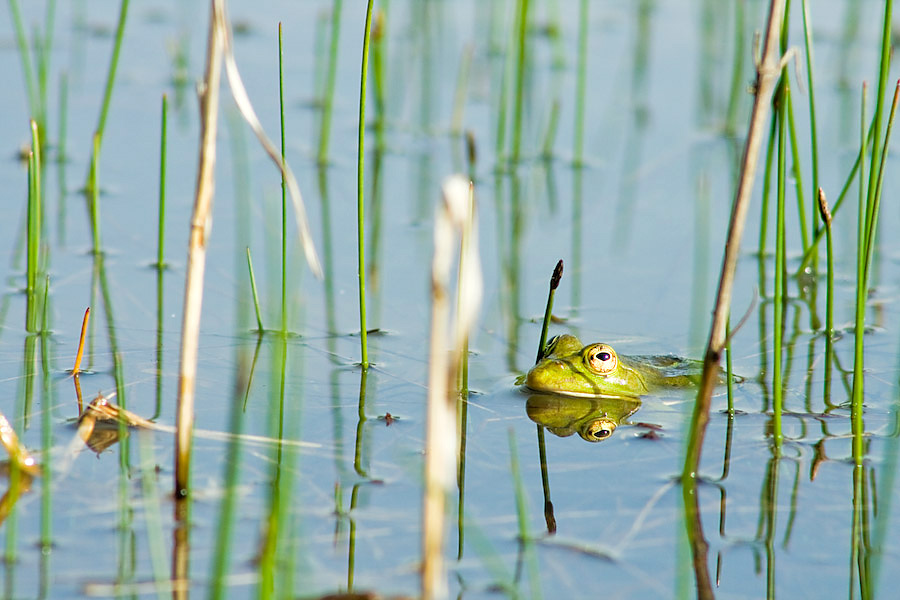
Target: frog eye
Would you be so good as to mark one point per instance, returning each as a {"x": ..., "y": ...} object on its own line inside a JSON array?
[{"x": 602, "y": 359}]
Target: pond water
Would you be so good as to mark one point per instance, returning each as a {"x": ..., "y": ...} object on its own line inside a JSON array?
[{"x": 640, "y": 226}]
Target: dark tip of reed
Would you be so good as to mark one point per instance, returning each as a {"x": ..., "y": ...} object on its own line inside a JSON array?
[
  {"x": 824, "y": 212},
  {"x": 471, "y": 150},
  {"x": 557, "y": 275}
]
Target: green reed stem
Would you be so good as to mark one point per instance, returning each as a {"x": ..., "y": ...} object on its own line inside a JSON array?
[
  {"x": 63, "y": 117},
  {"x": 161, "y": 223},
  {"x": 220, "y": 563},
  {"x": 328, "y": 100},
  {"x": 729, "y": 369},
  {"x": 379, "y": 52},
  {"x": 813, "y": 129},
  {"x": 33, "y": 233},
  {"x": 152, "y": 513},
  {"x": 872, "y": 225},
  {"x": 550, "y": 134},
  {"x": 825, "y": 214},
  {"x": 24, "y": 55},
  {"x": 886, "y": 45},
  {"x": 580, "y": 83},
  {"x": 798, "y": 175},
  {"x": 545, "y": 325},
  {"x": 522, "y": 515},
  {"x": 520, "y": 80},
  {"x": 259, "y": 323},
  {"x": 766, "y": 187},
  {"x": 851, "y": 177},
  {"x": 858, "y": 384},
  {"x": 111, "y": 73},
  {"x": 94, "y": 190},
  {"x": 47, "y": 482},
  {"x": 778, "y": 292},
  {"x": 283, "y": 185},
  {"x": 502, "y": 109},
  {"x": 360, "y": 191},
  {"x": 459, "y": 96},
  {"x": 738, "y": 77}
]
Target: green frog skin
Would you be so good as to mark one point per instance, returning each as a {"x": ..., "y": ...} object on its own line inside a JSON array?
[
  {"x": 593, "y": 419},
  {"x": 596, "y": 370}
]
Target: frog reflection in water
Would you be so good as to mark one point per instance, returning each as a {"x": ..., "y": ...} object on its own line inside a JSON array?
[
  {"x": 596, "y": 371},
  {"x": 594, "y": 419}
]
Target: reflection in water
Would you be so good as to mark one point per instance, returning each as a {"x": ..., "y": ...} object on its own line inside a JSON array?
[{"x": 594, "y": 419}]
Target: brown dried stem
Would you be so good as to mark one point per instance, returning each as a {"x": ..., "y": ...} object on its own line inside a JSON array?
[
  {"x": 767, "y": 72},
  {"x": 196, "y": 263}
]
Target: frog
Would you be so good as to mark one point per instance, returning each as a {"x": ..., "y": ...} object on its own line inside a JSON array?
[
  {"x": 596, "y": 370},
  {"x": 593, "y": 419}
]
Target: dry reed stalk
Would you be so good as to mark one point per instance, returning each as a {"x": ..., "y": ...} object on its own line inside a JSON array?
[
  {"x": 18, "y": 453},
  {"x": 767, "y": 72},
  {"x": 219, "y": 53},
  {"x": 76, "y": 369},
  {"x": 454, "y": 218},
  {"x": 196, "y": 263}
]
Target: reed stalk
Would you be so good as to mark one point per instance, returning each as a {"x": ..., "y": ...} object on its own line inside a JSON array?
[
  {"x": 259, "y": 323},
  {"x": 548, "y": 310},
  {"x": 34, "y": 227},
  {"x": 798, "y": 175},
  {"x": 152, "y": 514},
  {"x": 779, "y": 295},
  {"x": 161, "y": 222},
  {"x": 76, "y": 369},
  {"x": 283, "y": 185},
  {"x": 767, "y": 72},
  {"x": 580, "y": 83},
  {"x": 18, "y": 453},
  {"x": 452, "y": 221},
  {"x": 360, "y": 191},
  {"x": 199, "y": 235},
  {"x": 867, "y": 227},
  {"x": 328, "y": 100},
  {"x": 825, "y": 215},
  {"x": 813, "y": 129},
  {"x": 94, "y": 190},
  {"x": 522, "y": 15},
  {"x": 25, "y": 56},
  {"x": 861, "y": 284},
  {"x": 534, "y": 580},
  {"x": 111, "y": 73}
]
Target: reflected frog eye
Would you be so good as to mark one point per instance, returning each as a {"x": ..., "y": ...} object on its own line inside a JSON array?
[
  {"x": 599, "y": 430},
  {"x": 602, "y": 359}
]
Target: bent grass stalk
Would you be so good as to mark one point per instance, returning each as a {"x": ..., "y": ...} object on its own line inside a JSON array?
[{"x": 360, "y": 190}]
